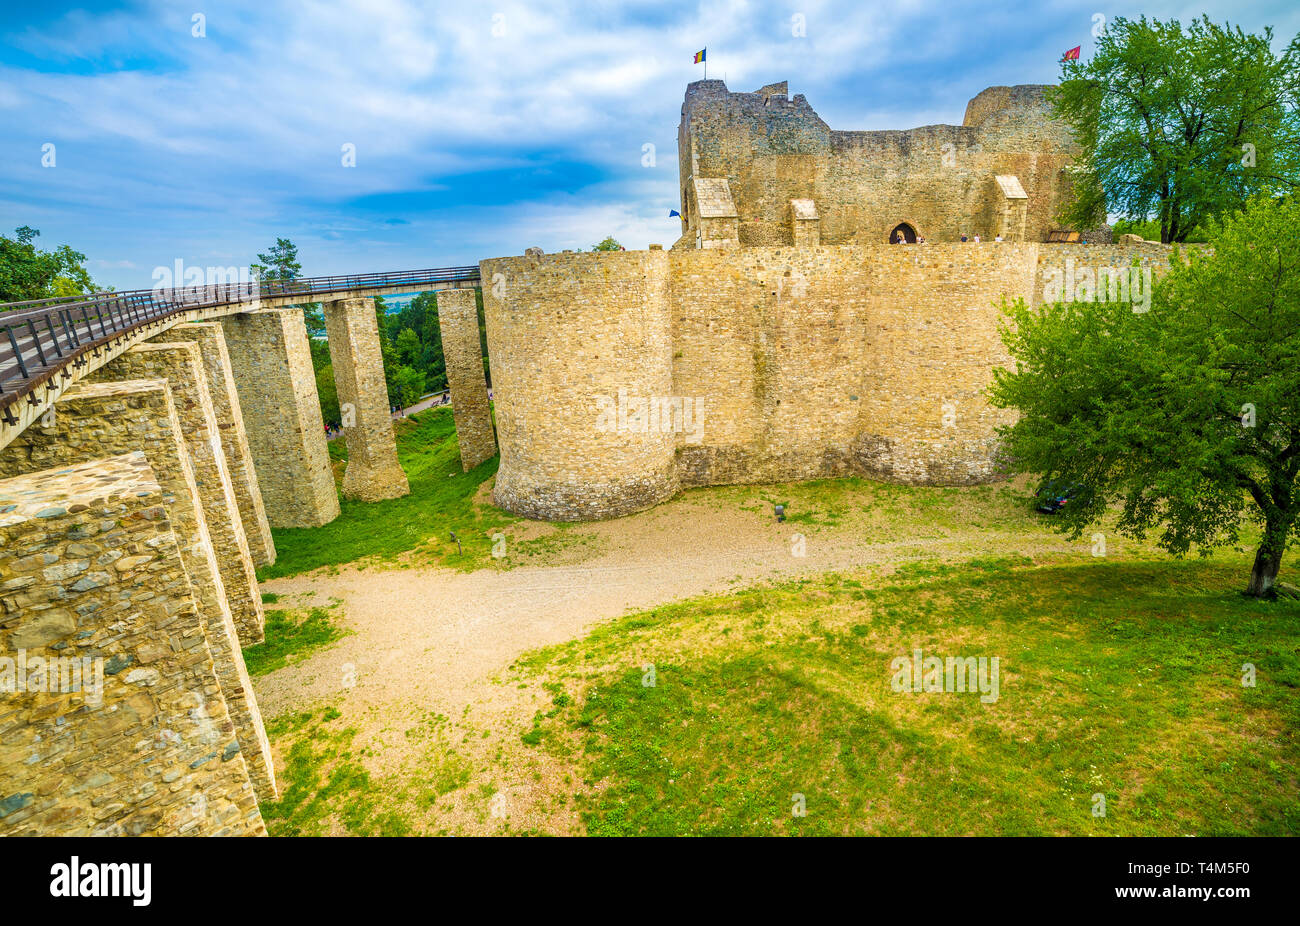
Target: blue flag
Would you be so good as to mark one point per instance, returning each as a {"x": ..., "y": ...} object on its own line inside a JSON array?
[{"x": 674, "y": 212}]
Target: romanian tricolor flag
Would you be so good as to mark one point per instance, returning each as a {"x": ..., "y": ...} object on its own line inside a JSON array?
[
  {"x": 699, "y": 56},
  {"x": 1072, "y": 54}
]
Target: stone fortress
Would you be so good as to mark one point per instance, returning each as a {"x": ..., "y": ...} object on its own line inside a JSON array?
[
  {"x": 800, "y": 342},
  {"x": 781, "y": 338}
]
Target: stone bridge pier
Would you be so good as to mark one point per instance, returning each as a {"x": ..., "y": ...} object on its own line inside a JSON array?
[
  {"x": 90, "y": 422},
  {"x": 234, "y": 438},
  {"x": 372, "y": 473},
  {"x": 180, "y": 364},
  {"x": 463, "y": 353},
  {"x": 136, "y": 502},
  {"x": 122, "y": 726},
  {"x": 271, "y": 361}
]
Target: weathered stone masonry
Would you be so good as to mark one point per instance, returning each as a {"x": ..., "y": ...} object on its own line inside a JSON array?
[
  {"x": 181, "y": 365},
  {"x": 564, "y": 332},
  {"x": 373, "y": 473},
  {"x": 463, "y": 352},
  {"x": 90, "y": 567},
  {"x": 96, "y": 420},
  {"x": 762, "y": 169},
  {"x": 271, "y": 360},
  {"x": 234, "y": 438},
  {"x": 807, "y": 362}
]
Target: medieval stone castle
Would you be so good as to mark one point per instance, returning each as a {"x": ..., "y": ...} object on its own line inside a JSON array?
[
  {"x": 799, "y": 340},
  {"x": 781, "y": 338}
]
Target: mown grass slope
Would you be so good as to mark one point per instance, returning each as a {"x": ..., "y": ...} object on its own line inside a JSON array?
[{"x": 1116, "y": 679}]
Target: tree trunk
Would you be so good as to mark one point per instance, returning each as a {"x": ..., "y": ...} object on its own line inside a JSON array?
[{"x": 1268, "y": 559}]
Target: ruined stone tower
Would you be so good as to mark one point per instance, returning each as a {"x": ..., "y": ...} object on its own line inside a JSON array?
[{"x": 763, "y": 169}]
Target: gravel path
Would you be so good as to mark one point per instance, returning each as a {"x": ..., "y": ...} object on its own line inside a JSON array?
[{"x": 436, "y": 637}]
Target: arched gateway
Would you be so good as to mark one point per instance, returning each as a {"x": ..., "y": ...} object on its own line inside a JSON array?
[{"x": 902, "y": 233}]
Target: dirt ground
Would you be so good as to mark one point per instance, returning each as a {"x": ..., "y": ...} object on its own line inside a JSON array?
[
  {"x": 435, "y": 641},
  {"x": 436, "y": 636}
]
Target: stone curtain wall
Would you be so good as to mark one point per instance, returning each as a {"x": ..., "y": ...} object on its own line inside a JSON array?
[
  {"x": 372, "y": 472},
  {"x": 96, "y": 420},
  {"x": 181, "y": 366},
  {"x": 830, "y": 361},
  {"x": 271, "y": 360},
  {"x": 806, "y": 362},
  {"x": 463, "y": 353},
  {"x": 566, "y": 332},
  {"x": 1072, "y": 259},
  {"x": 938, "y": 178},
  {"x": 234, "y": 439},
  {"x": 90, "y": 567}
]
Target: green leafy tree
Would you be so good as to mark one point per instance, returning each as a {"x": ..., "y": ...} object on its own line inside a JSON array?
[
  {"x": 1149, "y": 229},
  {"x": 320, "y": 352},
  {"x": 281, "y": 263},
  {"x": 1179, "y": 125},
  {"x": 412, "y": 338},
  {"x": 431, "y": 361},
  {"x": 1187, "y": 414},
  {"x": 609, "y": 244},
  {"x": 328, "y": 391},
  {"x": 406, "y": 386},
  {"x": 408, "y": 347},
  {"x": 381, "y": 324},
  {"x": 27, "y": 272}
]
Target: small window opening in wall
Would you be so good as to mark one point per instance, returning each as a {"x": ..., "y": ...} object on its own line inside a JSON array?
[{"x": 902, "y": 233}]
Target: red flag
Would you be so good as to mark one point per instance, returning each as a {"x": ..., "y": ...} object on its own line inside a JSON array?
[{"x": 1072, "y": 54}]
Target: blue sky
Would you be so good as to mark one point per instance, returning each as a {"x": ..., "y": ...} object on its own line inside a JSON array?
[{"x": 480, "y": 129}]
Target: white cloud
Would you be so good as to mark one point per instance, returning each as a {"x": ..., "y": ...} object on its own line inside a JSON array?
[{"x": 215, "y": 145}]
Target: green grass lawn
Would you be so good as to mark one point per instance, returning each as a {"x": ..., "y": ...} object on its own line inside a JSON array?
[
  {"x": 441, "y": 501},
  {"x": 292, "y": 634},
  {"x": 1118, "y": 679},
  {"x": 325, "y": 785}
]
